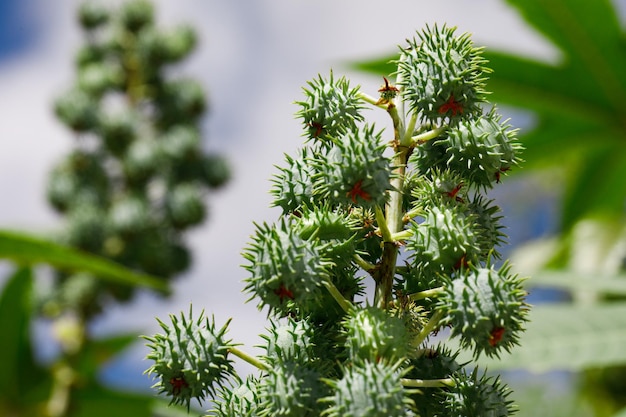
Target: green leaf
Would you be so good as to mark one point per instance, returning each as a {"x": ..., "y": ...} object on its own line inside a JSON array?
[
  {"x": 97, "y": 401},
  {"x": 568, "y": 337},
  {"x": 614, "y": 285},
  {"x": 28, "y": 250},
  {"x": 15, "y": 316}
]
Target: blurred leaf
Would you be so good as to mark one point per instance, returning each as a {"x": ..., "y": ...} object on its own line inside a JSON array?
[
  {"x": 97, "y": 352},
  {"x": 25, "y": 249},
  {"x": 567, "y": 337},
  {"x": 15, "y": 315},
  {"x": 614, "y": 285},
  {"x": 98, "y": 401}
]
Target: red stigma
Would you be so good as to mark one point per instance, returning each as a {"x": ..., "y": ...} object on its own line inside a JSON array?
[
  {"x": 496, "y": 335},
  {"x": 178, "y": 383},
  {"x": 453, "y": 193},
  {"x": 451, "y": 106},
  {"x": 282, "y": 292},
  {"x": 357, "y": 191}
]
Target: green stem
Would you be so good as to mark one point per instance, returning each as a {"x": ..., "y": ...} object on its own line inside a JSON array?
[
  {"x": 427, "y": 383},
  {"x": 341, "y": 300},
  {"x": 402, "y": 235},
  {"x": 382, "y": 225},
  {"x": 432, "y": 293},
  {"x": 372, "y": 100},
  {"x": 252, "y": 360},
  {"x": 428, "y": 135},
  {"x": 428, "y": 328},
  {"x": 363, "y": 264}
]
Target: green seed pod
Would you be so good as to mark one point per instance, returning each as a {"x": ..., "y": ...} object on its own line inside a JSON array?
[
  {"x": 179, "y": 42},
  {"x": 372, "y": 334},
  {"x": 92, "y": 14},
  {"x": 486, "y": 308},
  {"x": 489, "y": 227},
  {"x": 331, "y": 108},
  {"x": 289, "y": 341},
  {"x": 240, "y": 401},
  {"x": 355, "y": 171},
  {"x": 368, "y": 390},
  {"x": 291, "y": 389},
  {"x": 181, "y": 143},
  {"x": 215, "y": 170},
  {"x": 118, "y": 131},
  {"x": 478, "y": 396},
  {"x": 85, "y": 228},
  {"x": 185, "y": 206},
  {"x": 142, "y": 160},
  {"x": 77, "y": 110},
  {"x": 136, "y": 14},
  {"x": 95, "y": 79},
  {"x": 297, "y": 277},
  {"x": 441, "y": 188},
  {"x": 190, "y": 359},
  {"x": 180, "y": 102},
  {"x": 482, "y": 149},
  {"x": 90, "y": 54},
  {"x": 129, "y": 215},
  {"x": 445, "y": 241},
  {"x": 293, "y": 186},
  {"x": 442, "y": 75}
]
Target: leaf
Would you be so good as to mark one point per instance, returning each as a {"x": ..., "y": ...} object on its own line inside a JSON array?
[
  {"x": 567, "y": 337},
  {"x": 15, "y": 316},
  {"x": 25, "y": 249},
  {"x": 614, "y": 285}
]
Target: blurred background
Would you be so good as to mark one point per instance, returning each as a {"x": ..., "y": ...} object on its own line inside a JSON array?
[{"x": 253, "y": 58}]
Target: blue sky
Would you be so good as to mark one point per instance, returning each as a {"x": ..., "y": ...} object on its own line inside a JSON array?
[{"x": 253, "y": 59}]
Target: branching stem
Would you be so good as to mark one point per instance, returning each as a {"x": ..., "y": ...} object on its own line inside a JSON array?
[
  {"x": 427, "y": 383},
  {"x": 252, "y": 360},
  {"x": 341, "y": 300},
  {"x": 428, "y": 328},
  {"x": 434, "y": 292},
  {"x": 428, "y": 135}
]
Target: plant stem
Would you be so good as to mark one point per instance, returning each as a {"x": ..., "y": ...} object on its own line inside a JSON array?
[
  {"x": 252, "y": 360},
  {"x": 428, "y": 135},
  {"x": 428, "y": 328},
  {"x": 434, "y": 292},
  {"x": 427, "y": 383},
  {"x": 343, "y": 303}
]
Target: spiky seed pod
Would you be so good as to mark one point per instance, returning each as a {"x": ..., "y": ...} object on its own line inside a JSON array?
[
  {"x": 442, "y": 75},
  {"x": 485, "y": 307},
  {"x": 118, "y": 131},
  {"x": 293, "y": 185},
  {"x": 214, "y": 170},
  {"x": 440, "y": 189},
  {"x": 241, "y": 401},
  {"x": 332, "y": 108},
  {"x": 136, "y": 14},
  {"x": 180, "y": 101},
  {"x": 185, "y": 205},
  {"x": 368, "y": 389},
  {"x": 372, "y": 334},
  {"x": 181, "y": 143},
  {"x": 92, "y": 14},
  {"x": 77, "y": 110},
  {"x": 489, "y": 227},
  {"x": 478, "y": 396},
  {"x": 290, "y": 340},
  {"x": 85, "y": 228},
  {"x": 95, "y": 79},
  {"x": 143, "y": 159},
  {"x": 129, "y": 215},
  {"x": 284, "y": 267},
  {"x": 190, "y": 358},
  {"x": 482, "y": 149},
  {"x": 90, "y": 54},
  {"x": 444, "y": 241},
  {"x": 354, "y": 171},
  {"x": 179, "y": 42},
  {"x": 291, "y": 389}
]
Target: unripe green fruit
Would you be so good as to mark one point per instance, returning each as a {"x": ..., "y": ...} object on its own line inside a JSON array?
[
  {"x": 92, "y": 14},
  {"x": 444, "y": 241},
  {"x": 129, "y": 215},
  {"x": 355, "y": 171},
  {"x": 241, "y": 401},
  {"x": 179, "y": 42},
  {"x": 331, "y": 108},
  {"x": 96, "y": 78},
  {"x": 77, "y": 110},
  {"x": 293, "y": 186},
  {"x": 292, "y": 390},
  {"x": 143, "y": 160},
  {"x": 289, "y": 341},
  {"x": 486, "y": 308},
  {"x": 478, "y": 396},
  {"x": 135, "y": 14},
  {"x": 185, "y": 205},
  {"x": 118, "y": 131},
  {"x": 180, "y": 143},
  {"x": 190, "y": 359},
  {"x": 368, "y": 389},
  {"x": 180, "y": 102},
  {"x": 298, "y": 279},
  {"x": 85, "y": 228},
  {"x": 215, "y": 170},
  {"x": 90, "y": 54},
  {"x": 372, "y": 334}
]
